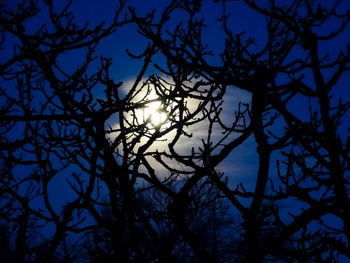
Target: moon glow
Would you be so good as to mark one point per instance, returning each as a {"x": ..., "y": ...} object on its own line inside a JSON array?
[{"x": 153, "y": 112}]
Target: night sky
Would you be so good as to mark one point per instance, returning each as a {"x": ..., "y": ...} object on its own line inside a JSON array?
[{"x": 241, "y": 166}]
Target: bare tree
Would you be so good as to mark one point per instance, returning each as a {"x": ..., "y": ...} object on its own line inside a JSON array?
[{"x": 142, "y": 159}]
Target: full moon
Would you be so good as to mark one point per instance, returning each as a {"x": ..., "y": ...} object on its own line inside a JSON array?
[{"x": 153, "y": 112}]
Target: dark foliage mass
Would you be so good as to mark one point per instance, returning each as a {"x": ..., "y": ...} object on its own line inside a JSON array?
[{"x": 88, "y": 173}]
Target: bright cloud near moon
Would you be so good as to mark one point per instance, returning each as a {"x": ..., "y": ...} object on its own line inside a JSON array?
[{"x": 153, "y": 113}]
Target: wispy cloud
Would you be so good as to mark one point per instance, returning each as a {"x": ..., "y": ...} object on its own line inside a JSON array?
[{"x": 198, "y": 131}]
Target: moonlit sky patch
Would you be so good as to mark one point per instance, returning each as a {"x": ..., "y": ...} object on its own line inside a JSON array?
[{"x": 233, "y": 99}]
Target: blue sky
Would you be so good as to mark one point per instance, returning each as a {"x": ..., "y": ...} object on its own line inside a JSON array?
[{"x": 242, "y": 19}]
